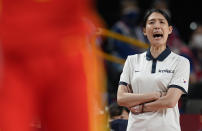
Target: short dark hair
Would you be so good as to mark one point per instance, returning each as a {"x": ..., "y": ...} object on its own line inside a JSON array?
[
  {"x": 149, "y": 12},
  {"x": 115, "y": 110}
]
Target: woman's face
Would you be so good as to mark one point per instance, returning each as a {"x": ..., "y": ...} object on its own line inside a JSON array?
[{"x": 157, "y": 29}]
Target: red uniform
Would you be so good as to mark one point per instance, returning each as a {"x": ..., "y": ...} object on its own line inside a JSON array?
[{"x": 45, "y": 59}]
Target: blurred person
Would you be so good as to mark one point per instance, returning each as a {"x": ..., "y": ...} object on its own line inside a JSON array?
[
  {"x": 162, "y": 5},
  {"x": 196, "y": 46},
  {"x": 47, "y": 55},
  {"x": 128, "y": 25},
  {"x": 118, "y": 117},
  {"x": 152, "y": 82}
]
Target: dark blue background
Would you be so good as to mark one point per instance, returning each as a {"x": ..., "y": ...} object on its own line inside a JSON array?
[{"x": 183, "y": 13}]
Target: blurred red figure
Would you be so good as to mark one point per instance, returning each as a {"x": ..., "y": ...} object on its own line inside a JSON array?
[{"x": 47, "y": 55}]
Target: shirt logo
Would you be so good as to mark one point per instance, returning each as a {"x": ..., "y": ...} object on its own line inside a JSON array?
[{"x": 166, "y": 71}]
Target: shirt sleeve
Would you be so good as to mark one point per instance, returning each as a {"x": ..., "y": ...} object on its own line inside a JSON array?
[
  {"x": 125, "y": 75},
  {"x": 180, "y": 77}
]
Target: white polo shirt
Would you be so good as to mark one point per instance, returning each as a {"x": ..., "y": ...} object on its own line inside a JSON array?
[{"x": 146, "y": 74}]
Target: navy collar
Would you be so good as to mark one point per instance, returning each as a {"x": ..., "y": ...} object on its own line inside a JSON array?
[{"x": 161, "y": 57}]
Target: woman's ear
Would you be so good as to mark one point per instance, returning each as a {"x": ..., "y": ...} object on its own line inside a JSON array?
[
  {"x": 170, "y": 29},
  {"x": 144, "y": 31}
]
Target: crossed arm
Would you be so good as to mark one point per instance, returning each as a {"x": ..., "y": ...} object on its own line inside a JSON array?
[
  {"x": 168, "y": 101},
  {"x": 153, "y": 101},
  {"x": 126, "y": 98}
]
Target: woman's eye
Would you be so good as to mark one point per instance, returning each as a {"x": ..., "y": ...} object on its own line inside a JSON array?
[{"x": 151, "y": 22}]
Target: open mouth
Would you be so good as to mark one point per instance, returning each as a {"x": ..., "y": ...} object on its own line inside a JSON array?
[{"x": 157, "y": 35}]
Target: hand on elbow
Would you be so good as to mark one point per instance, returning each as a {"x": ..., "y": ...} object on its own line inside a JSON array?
[
  {"x": 160, "y": 94},
  {"x": 171, "y": 104}
]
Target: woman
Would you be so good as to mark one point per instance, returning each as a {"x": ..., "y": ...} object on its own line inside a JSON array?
[{"x": 147, "y": 76}]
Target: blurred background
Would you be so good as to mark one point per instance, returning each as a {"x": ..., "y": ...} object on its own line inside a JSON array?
[{"x": 183, "y": 14}]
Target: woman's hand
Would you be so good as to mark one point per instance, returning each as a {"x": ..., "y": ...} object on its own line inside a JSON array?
[
  {"x": 140, "y": 108},
  {"x": 137, "y": 109},
  {"x": 160, "y": 94}
]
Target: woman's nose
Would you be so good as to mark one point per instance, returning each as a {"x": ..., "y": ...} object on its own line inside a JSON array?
[{"x": 157, "y": 25}]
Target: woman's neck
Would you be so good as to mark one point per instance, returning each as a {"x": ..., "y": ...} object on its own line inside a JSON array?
[{"x": 157, "y": 50}]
